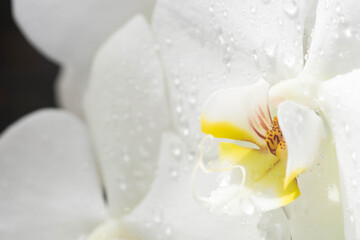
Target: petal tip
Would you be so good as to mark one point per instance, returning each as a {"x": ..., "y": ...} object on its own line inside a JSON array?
[{"x": 290, "y": 177}]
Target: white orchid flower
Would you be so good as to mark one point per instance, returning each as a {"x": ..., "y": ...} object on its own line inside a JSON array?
[{"x": 49, "y": 183}]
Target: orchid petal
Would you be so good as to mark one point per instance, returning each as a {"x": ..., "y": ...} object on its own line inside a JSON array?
[
  {"x": 303, "y": 131},
  {"x": 339, "y": 99},
  {"x": 255, "y": 162},
  {"x": 71, "y": 31},
  {"x": 230, "y": 44},
  {"x": 70, "y": 87},
  {"x": 318, "y": 212},
  {"x": 126, "y": 109},
  {"x": 240, "y": 113},
  {"x": 265, "y": 174},
  {"x": 49, "y": 184},
  {"x": 170, "y": 212},
  {"x": 303, "y": 90},
  {"x": 335, "y": 46}
]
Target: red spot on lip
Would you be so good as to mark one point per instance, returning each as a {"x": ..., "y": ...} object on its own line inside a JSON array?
[
  {"x": 261, "y": 123},
  {"x": 256, "y": 131}
]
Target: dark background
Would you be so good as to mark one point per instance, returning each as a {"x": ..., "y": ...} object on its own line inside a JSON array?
[{"x": 26, "y": 77}]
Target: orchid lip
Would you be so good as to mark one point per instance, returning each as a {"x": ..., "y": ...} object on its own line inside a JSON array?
[{"x": 262, "y": 122}]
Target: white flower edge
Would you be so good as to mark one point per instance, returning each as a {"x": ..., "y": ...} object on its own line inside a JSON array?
[
  {"x": 50, "y": 186},
  {"x": 339, "y": 98},
  {"x": 126, "y": 110}
]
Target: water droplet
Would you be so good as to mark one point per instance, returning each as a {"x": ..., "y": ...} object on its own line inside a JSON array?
[
  {"x": 157, "y": 217},
  {"x": 347, "y": 128},
  {"x": 225, "y": 180},
  {"x": 348, "y": 32},
  {"x": 255, "y": 57},
  {"x": 192, "y": 98},
  {"x": 333, "y": 193},
  {"x": 185, "y": 131},
  {"x": 176, "y": 81},
  {"x": 253, "y": 9},
  {"x": 352, "y": 218},
  {"x": 168, "y": 41},
  {"x": 168, "y": 231},
  {"x": 289, "y": 59},
  {"x": 337, "y": 7},
  {"x": 176, "y": 151},
  {"x": 291, "y": 8},
  {"x": 191, "y": 156},
  {"x": 123, "y": 186},
  {"x": 354, "y": 183},
  {"x": 178, "y": 109},
  {"x": 269, "y": 48},
  {"x": 174, "y": 174},
  {"x": 225, "y": 12},
  {"x": 208, "y": 142},
  {"x": 211, "y": 9},
  {"x": 126, "y": 158},
  {"x": 247, "y": 207},
  {"x": 221, "y": 39},
  {"x": 327, "y": 4},
  {"x": 274, "y": 226}
]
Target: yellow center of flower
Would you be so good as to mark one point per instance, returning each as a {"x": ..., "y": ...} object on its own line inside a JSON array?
[{"x": 275, "y": 140}]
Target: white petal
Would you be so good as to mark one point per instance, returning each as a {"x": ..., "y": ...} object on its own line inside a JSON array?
[
  {"x": 170, "y": 212},
  {"x": 126, "y": 109},
  {"x": 340, "y": 99},
  {"x": 49, "y": 187},
  {"x": 207, "y": 45},
  {"x": 303, "y": 90},
  {"x": 71, "y": 31},
  {"x": 70, "y": 87},
  {"x": 318, "y": 212},
  {"x": 335, "y": 46},
  {"x": 303, "y": 131},
  {"x": 240, "y": 113}
]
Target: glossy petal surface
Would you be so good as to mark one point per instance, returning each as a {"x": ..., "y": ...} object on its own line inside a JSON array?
[
  {"x": 240, "y": 113},
  {"x": 335, "y": 45},
  {"x": 303, "y": 131},
  {"x": 264, "y": 183},
  {"x": 318, "y": 212},
  {"x": 71, "y": 31},
  {"x": 170, "y": 212},
  {"x": 208, "y": 45},
  {"x": 339, "y": 99},
  {"x": 49, "y": 187},
  {"x": 126, "y": 109},
  {"x": 70, "y": 88}
]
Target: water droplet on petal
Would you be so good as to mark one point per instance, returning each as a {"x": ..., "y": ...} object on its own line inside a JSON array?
[
  {"x": 337, "y": 7},
  {"x": 333, "y": 193},
  {"x": 168, "y": 231},
  {"x": 123, "y": 186},
  {"x": 269, "y": 48},
  {"x": 211, "y": 9},
  {"x": 157, "y": 217},
  {"x": 253, "y": 9},
  {"x": 174, "y": 174},
  {"x": 176, "y": 151},
  {"x": 291, "y": 8},
  {"x": 352, "y": 218}
]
